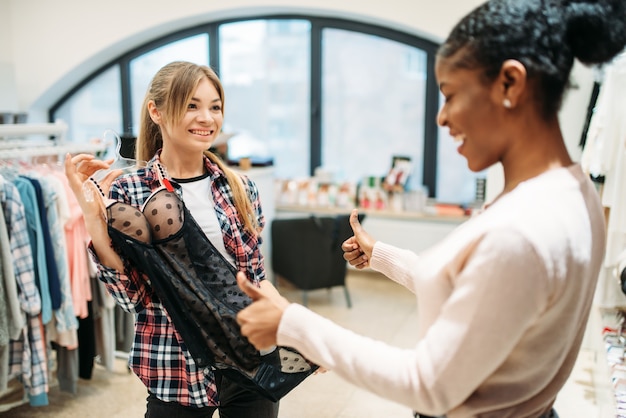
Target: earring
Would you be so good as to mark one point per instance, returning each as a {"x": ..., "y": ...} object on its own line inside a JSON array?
[{"x": 507, "y": 103}]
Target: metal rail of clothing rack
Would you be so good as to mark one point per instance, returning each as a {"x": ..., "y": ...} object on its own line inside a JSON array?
[{"x": 20, "y": 141}]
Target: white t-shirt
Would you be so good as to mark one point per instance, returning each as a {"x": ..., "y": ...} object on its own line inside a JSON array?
[{"x": 199, "y": 200}]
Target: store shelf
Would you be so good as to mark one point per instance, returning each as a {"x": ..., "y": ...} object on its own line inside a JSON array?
[{"x": 386, "y": 214}]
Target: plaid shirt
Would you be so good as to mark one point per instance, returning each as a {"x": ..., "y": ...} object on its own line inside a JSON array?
[
  {"x": 27, "y": 355},
  {"x": 158, "y": 354}
]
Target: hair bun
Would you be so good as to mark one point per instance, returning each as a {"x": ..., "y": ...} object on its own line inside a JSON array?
[{"x": 596, "y": 30}]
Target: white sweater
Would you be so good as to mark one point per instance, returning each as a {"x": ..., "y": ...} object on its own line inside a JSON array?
[{"x": 503, "y": 303}]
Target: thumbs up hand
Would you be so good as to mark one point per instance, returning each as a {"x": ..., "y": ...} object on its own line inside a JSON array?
[
  {"x": 260, "y": 320},
  {"x": 357, "y": 250}
]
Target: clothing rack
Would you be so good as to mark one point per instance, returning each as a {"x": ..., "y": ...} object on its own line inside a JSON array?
[
  {"x": 17, "y": 142},
  {"x": 27, "y": 150},
  {"x": 19, "y": 130},
  {"x": 34, "y": 142}
]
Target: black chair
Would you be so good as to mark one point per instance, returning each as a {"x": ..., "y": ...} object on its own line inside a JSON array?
[{"x": 307, "y": 252}]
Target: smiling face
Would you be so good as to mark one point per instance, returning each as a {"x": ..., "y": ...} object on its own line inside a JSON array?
[
  {"x": 200, "y": 124},
  {"x": 471, "y": 113}
]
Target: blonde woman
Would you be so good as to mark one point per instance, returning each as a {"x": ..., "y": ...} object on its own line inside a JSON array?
[{"x": 181, "y": 117}]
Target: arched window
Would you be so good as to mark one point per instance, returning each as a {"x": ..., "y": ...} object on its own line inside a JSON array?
[{"x": 305, "y": 91}]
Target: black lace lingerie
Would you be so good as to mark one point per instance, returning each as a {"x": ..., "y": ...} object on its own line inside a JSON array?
[{"x": 198, "y": 288}]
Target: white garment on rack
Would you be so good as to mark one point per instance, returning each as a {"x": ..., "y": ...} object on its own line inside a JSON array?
[{"x": 605, "y": 155}]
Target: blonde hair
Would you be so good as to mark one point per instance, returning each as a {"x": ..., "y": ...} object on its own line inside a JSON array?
[{"x": 171, "y": 90}]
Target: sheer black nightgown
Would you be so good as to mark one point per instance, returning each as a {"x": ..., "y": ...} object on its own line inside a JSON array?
[{"x": 199, "y": 290}]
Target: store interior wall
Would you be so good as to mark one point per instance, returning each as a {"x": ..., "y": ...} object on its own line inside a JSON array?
[
  {"x": 47, "y": 47},
  {"x": 8, "y": 90}
]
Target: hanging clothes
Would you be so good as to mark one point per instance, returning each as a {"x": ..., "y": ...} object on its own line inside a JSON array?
[
  {"x": 5, "y": 308},
  {"x": 65, "y": 327},
  {"x": 38, "y": 195},
  {"x": 43, "y": 270},
  {"x": 31, "y": 211},
  {"x": 28, "y": 352},
  {"x": 15, "y": 316},
  {"x": 77, "y": 239},
  {"x": 605, "y": 155},
  {"x": 595, "y": 92},
  {"x": 54, "y": 285},
  {"x": 104, "y": 319},
  {"x": 62, "y": 332}
]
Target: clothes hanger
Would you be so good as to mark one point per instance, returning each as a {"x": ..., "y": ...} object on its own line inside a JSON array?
[{"x": 127, "y": 165}]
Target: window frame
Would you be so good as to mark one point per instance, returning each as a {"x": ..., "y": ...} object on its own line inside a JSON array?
[{"x": 318, "y": 24}]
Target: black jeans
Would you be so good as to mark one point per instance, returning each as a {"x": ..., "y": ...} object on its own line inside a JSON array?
[{"x": 235, "y": 402}]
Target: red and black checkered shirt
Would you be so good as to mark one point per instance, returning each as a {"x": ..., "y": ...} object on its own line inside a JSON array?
[{"x": 158, "y": 354}]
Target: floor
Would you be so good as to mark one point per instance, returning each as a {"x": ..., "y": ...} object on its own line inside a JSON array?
[{"x": 381, "y": 309}]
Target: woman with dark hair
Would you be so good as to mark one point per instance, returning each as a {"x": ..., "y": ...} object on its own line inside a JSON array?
[{"x": 503, "y": 301}]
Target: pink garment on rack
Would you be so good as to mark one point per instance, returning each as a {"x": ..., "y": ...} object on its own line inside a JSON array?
[{"x": 77, "y": 239}]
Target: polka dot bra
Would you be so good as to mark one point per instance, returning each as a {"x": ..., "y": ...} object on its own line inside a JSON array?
[{"x": 161, "y": 218}]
